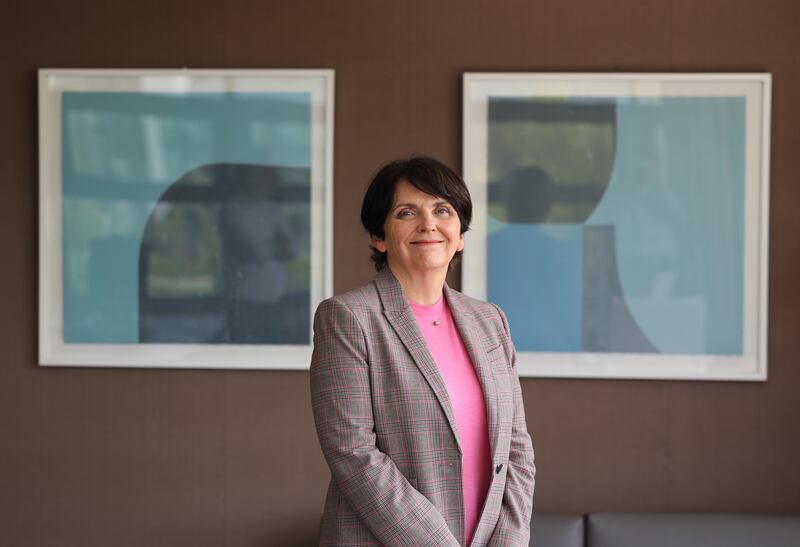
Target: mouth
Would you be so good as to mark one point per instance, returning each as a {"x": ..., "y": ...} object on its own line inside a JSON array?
[{"x": 424, "y": 242}]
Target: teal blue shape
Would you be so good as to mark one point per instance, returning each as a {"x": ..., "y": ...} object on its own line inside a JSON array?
[
  {"x": 676, "y": 200},
  {"x": 121, "y": 151},
  {"x": 534, "y": 273}
]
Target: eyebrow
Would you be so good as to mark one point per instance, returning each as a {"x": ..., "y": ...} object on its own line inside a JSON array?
[{"x": 414, "y": 206}]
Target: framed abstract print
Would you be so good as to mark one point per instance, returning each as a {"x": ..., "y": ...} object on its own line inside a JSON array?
[
  {"x": 621, "y": 220},
  {"x": 185, "y": 216}
]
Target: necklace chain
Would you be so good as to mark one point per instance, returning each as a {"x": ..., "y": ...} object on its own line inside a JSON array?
[{"x": 423, "y": 311}]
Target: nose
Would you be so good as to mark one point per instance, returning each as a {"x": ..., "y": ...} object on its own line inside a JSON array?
[{"x": 427, "y": 222}]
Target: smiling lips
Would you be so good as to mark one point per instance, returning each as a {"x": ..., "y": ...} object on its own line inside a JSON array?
[{"x": 426, "y": 242}]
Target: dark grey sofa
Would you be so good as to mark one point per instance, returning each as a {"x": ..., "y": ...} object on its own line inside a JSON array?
[
  {"x": 664, "y": 530},
  {"x": 557, "y": 530}
]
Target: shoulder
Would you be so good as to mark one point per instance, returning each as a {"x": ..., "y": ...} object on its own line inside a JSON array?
[
  {"x": 490, "y": 319},
  {"x": 482, "y": 311},
  {"x": 347, "y": 320},
  {"x": 358, "y": 302},
  {"x": 365, "y": 296}
]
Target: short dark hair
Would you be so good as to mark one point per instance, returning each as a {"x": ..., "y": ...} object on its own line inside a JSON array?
[{"x": 425, "y": 174}]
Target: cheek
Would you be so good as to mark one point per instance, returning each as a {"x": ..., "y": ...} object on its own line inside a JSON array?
[
  {"x": 391, "y": 235},
  {"x": 457, "y": 236}
]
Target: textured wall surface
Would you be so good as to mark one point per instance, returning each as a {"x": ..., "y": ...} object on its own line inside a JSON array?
[{"x": 97, "y": 457}]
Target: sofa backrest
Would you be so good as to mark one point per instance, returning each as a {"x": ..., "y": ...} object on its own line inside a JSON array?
[
  {"x": 690, "y": 530},
  {"x": 557, "y": 530}
]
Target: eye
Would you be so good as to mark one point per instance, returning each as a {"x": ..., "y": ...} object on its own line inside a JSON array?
[
  {"x": 442, "y": 210},
  {"x": 405, "y": 213}
]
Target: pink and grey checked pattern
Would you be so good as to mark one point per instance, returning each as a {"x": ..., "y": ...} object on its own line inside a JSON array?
[{"x": 387, "y": 429}]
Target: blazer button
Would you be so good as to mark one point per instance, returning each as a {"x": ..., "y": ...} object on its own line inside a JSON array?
[{"x": 498, "y": 468}]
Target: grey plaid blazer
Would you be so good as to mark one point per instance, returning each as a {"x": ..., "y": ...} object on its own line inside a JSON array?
[{"x": 387, "y": 429}]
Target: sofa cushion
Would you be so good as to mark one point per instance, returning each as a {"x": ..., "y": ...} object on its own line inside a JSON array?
[
  {"x": 557, "y": 530},
  {"x": 691, "y": 529}
]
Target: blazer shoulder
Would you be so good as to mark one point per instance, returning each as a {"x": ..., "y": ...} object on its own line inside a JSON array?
[
  {"x": 479, "y": 308},
  {"x": 359, "y": 300},
  {"x": 488, "y": 317}
]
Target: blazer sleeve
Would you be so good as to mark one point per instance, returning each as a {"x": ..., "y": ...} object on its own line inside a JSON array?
[
  {"x": 386, "y": 503},
  {"x": 513, "y": 524}
]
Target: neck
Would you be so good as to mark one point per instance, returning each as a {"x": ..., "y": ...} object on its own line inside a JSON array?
[{"x": 421, "y": 288}]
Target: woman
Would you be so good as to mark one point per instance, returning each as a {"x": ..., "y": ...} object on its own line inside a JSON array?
[{"x": 414, "y": 388}]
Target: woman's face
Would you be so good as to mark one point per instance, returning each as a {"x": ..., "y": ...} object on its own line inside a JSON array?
[{"x": 422, "y": 232}]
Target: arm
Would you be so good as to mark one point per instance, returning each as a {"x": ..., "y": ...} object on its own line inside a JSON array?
[
  {"x": 387, "y": 504},
  {"x": 513, "y": 525}
]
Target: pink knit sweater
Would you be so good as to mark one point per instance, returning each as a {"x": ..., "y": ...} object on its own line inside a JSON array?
[{"x": 466, "y": 398}]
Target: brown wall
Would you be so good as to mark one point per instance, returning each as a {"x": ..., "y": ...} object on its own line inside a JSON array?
[{"x": 96, "y": 457}]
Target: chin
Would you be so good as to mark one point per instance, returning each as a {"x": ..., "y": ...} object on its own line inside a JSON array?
[{"x": 433, "y": 265}]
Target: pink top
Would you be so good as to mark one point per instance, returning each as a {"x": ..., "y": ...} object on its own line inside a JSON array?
[{"x": 466, "y": 397}]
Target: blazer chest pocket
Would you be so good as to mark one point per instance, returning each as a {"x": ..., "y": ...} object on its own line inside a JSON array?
[{"x": 501, "y": 369}]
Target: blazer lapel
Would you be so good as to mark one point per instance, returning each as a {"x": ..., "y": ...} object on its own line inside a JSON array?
[
  {"x": 471, "y": 334},
  {"x": 402, "y": 320}
]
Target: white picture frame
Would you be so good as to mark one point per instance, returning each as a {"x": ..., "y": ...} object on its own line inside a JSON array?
[
  {"x": 515, "y": 122},
  {"x": 119, "y": 141}
]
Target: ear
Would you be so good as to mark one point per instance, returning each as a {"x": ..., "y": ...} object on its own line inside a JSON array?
[
  {"x": 379, "y": 244},
  {"x": 460, "y": 243}
]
